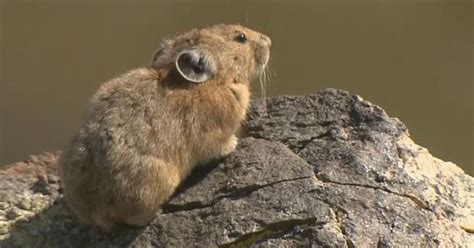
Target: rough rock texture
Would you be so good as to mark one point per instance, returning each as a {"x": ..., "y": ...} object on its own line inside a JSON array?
[{"x": 324, "y": 170}]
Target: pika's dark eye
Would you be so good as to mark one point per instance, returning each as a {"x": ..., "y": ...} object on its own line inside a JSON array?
[{"x": 241, "y": 38}]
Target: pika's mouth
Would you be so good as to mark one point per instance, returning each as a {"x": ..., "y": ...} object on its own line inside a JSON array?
[
  {"x": 262, "y": 69},
  {"x": 263, "y": 57},
  {"x": 263, "y": 52}
]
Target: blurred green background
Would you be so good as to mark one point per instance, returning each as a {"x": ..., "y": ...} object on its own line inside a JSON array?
[{"x": 414, "y": 58}]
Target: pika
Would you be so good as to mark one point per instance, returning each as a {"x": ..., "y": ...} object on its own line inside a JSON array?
[{"x": 147, "y": 129}]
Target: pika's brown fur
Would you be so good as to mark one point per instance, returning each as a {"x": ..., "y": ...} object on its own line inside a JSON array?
[{"x": 147, "y": 129}]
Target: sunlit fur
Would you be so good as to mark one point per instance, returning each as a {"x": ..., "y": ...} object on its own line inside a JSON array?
[{"x": 148, "y": 128}]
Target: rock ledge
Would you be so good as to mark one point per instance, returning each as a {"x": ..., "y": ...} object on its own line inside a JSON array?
[{"x": 327, "y": 169}]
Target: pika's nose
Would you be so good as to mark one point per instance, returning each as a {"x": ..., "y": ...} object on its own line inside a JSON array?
[{"x": 267, "y": 40}]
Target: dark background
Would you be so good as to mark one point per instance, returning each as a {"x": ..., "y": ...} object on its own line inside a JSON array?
[{"x": 414, "y": 58}]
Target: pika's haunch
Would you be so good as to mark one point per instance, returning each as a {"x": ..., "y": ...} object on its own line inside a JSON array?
[{"x": 148, "y": 128}]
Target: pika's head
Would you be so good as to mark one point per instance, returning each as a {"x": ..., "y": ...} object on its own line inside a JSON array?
[{"x": 220, "y": 54}]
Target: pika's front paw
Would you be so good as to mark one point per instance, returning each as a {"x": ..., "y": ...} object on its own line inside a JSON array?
[{"x": 230, "y": 146}]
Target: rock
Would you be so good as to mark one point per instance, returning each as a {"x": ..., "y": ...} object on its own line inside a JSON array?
[
  {"x": 327, "y": 169},
  {"x": 4, "y": 228}
]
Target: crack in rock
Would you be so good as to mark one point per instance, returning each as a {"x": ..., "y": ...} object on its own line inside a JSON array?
[
  {"x": 419, "y": 203},
  {"x": 234, "y": 194},
  {"x": 467, "y": 229},
  {"x": 251, "y": 238},
  {"x": 311, "y": 139}
]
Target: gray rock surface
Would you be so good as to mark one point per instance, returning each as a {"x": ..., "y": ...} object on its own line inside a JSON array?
[{"x": 323, "y": 170}]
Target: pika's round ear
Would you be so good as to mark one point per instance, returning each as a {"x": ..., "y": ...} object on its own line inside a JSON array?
[{"x": 196, "y": 66}]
